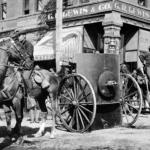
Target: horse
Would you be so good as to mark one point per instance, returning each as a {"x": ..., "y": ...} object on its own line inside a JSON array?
[{"x": 13, "y": 89}]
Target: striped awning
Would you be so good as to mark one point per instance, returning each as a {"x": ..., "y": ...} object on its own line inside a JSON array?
[{"x": 45, "y": 48}]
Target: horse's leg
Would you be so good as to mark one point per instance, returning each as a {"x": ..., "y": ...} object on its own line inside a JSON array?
[
  {"x": 53, "y": 101},
  {"x": 7, "y": 111},
  {"x": 18, "y": 108},
  {"x": 44, "y": 113}
]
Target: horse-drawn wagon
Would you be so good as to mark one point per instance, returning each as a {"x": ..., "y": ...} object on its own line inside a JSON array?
[
  {"x": 95, "y": 90},
  {"x": 91, "y": 91}
]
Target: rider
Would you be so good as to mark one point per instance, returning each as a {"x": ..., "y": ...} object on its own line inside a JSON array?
[{"x": 26, "y": 50}]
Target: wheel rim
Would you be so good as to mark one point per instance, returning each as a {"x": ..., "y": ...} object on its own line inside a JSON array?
[
  {"x": 131, "y": 99},
  {"x": 77, "y": 103}
]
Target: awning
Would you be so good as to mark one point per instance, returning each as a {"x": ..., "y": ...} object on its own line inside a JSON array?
[{"x": 45, "y": 48}]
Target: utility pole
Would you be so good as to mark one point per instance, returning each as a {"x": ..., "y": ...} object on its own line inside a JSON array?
[{"x": 59, "y": 21}]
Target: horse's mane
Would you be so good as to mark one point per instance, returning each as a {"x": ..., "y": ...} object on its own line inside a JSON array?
[{"x": 6, "y": 42}]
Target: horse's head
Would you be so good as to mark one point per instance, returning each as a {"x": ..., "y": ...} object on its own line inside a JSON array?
[{"x": 8, "y": 53}]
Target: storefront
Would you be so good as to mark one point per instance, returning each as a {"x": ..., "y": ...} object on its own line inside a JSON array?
[{"x": 111, "y": 27}]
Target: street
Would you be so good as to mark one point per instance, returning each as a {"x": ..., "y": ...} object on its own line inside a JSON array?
[{"x": 118, "y": 138}]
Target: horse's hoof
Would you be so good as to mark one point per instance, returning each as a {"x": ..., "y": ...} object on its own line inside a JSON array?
[
  {"x": 52, "y": 136},
  {"x": 38, "y": 134},
  {"x": 19, "y": 141}
]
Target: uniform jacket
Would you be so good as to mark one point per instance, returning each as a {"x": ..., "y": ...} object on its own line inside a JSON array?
[{"x": 27, "y": 50}]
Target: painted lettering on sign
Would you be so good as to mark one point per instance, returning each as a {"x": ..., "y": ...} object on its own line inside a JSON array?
[
  {"x": 96, "y": 8},
  {"x": 87, "y": 10},
  {"x": 132, "y": 10}
]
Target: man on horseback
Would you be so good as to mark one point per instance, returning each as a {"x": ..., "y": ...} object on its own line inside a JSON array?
[{"x": 26, "y": 50}]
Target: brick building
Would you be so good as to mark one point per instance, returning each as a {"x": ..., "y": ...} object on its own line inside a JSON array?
[{"x": 89, "y": 26}]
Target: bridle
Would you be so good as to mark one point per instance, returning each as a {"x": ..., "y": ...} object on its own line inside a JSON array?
[{"x": 9, "y": 53}]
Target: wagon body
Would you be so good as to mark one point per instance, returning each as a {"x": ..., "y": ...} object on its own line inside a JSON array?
[
  {"x": 100, "y": 69},
  {"x": 90, "y": 97}
]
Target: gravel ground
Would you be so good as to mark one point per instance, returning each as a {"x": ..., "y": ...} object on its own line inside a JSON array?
[{"x": 118, "y": 138}]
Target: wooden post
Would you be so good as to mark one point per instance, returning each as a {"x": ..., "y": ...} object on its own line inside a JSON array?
[{"x": 59, "y": 6}]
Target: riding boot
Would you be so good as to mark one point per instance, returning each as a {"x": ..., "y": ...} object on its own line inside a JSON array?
[
  {"x": 32, "y": 115},
  {"x": 37, "y": 114},
  {"x": 28, "y": 85}
]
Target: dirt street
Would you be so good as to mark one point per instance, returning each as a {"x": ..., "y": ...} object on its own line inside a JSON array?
[{"x": 118, "y": 138}]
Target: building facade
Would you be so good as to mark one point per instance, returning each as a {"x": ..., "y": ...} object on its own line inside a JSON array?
[{"x": 105, "y": 26}]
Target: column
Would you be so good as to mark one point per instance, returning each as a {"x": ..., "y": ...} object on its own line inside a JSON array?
[{"x": 112, "y": 25}]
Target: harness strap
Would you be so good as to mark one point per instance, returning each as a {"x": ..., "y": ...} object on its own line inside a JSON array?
[{"x": 6, "y": 94}]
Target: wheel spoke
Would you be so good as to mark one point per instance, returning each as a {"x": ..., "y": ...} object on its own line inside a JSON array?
[
  {"x": 84, "y": 115},
  {"x": 84, "y": 97},
  {"x": 75, "y": 88},
  {"x": 81, "y": 118},
  {"x": 87, "y": 110},
  {"x": 67, "y": 98},
  {"x": 72, "y": 120},
  {"x": 132, "y": 107},
  {"x": 68, "y": 92},
  {"x": 133, "y": 93},
  {"x": 125, "y": 113},
  {"x": 77, "y": 120},
  {"x": 66, "y": 109},
  {"x": 130, "y": 113}
]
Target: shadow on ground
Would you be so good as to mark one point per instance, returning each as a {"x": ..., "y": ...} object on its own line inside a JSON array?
[{"x": 27, "y": 131}]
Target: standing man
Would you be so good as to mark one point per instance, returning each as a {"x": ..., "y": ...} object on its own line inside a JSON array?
[{"x": 145, "y": 59}]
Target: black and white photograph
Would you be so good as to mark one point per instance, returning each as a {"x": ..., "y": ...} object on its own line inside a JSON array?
[{"x": 74, "y": 74}]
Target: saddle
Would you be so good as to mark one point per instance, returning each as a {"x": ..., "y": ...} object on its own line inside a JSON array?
[
  {"x": 10, "y": 85},
  {"x": 43, "y": 77}
]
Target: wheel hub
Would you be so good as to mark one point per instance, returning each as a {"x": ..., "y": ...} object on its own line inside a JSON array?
[{"x": 75, "y": 103}]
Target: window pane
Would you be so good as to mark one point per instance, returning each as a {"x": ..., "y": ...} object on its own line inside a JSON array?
[
  {"x": 26, "y": 7},
  {"x": 4, "y": 11},
  {"x": 26, "y": 4}
]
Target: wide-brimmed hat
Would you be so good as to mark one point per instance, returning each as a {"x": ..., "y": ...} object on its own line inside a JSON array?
[{"x": 17, "y": 33}]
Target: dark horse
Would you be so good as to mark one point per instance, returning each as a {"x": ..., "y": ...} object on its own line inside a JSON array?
[{"x": 13, "y": 89}]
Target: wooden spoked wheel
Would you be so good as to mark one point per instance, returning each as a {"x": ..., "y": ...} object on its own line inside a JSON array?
[
  {"x": 131, "y": 99},
  {"x": 76, "y": 103}
]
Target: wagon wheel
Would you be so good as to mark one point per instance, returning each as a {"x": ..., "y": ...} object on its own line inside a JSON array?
[
  {"x": 131, "y": 99},
  {"x": 76, "y": 103}
]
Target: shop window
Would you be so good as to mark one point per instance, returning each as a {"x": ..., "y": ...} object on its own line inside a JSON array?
[
  {"x": 26, "y": 7},
  {"x": 141, "y": 2},
  {"x": 68, "y": 2},
  {"x": 39, "y": 5},
  {"x": 4, "y": 10}
]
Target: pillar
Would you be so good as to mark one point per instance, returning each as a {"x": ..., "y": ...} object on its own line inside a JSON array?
[{"x": 112, "y": 25}]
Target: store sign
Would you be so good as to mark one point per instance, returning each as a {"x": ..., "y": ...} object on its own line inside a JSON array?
[
  {"x": 132, "y": 10},
  {"x": 95, "y": 8},
  {"x": 87, "y": 10}
]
